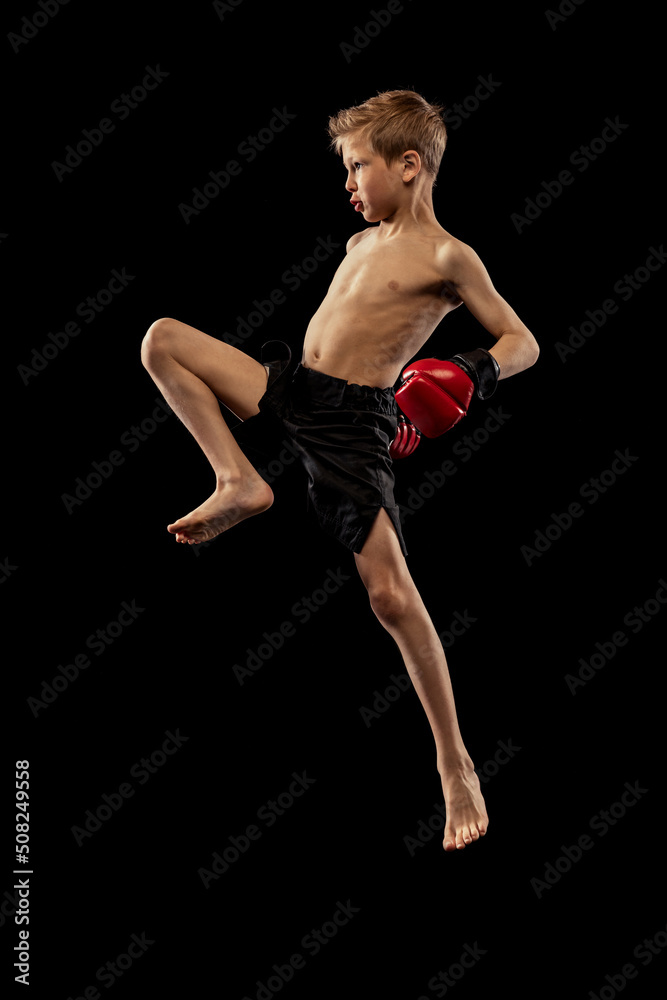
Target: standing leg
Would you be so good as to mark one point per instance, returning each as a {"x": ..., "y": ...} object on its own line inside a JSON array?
[
  {"x": 397, "y": 604},
  {"x": 193, "y": 371}
]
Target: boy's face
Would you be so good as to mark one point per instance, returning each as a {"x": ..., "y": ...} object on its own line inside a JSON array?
[{"x": 376, "y": 189}]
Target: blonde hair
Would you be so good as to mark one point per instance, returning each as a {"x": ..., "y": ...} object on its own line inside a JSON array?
[{"x": 392, "y": 122}]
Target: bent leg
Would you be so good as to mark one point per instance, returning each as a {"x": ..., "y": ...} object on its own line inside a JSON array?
[
  {"x": 193, "y": 371},
  {"x": 398, "y": 606}
]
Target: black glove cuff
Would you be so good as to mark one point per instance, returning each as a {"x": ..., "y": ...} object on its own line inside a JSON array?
[{"x": 482, "y": 368}]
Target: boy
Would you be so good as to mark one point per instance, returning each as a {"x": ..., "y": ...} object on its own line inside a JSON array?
[{"x": 400, "y": 277}]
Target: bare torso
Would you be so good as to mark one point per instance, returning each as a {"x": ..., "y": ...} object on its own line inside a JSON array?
[{"x": 383, "y": 304}]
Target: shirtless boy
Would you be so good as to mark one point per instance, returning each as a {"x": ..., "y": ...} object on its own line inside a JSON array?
[{"x": 399, "y": 278}]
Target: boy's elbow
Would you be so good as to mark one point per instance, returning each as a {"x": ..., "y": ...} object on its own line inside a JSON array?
[
  {"x": 535, "y": 352},
  {"x": 532, "y": 350}
]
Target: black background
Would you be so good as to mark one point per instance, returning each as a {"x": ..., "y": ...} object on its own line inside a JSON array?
[{"x": 68, "y": 573}]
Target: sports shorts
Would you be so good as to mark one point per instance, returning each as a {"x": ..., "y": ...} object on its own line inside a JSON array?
[{"x": 341, "y": 433}]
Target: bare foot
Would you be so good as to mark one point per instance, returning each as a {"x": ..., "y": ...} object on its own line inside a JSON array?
[
  {"x": 230, "y": 504},
  {"x": 467, "y": 819}
]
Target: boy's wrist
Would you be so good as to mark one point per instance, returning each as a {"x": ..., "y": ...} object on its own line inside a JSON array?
[{"x": 482, "y": 368}]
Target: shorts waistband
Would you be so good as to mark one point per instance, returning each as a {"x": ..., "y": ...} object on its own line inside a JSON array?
[{"x": 328, "y": 388}]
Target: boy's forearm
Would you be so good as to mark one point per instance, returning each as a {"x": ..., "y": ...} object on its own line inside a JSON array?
[{"x": 515, "y": 352}]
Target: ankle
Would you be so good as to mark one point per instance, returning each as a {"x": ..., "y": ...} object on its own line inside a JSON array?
[
  {"x": 230, "y": 477},
  {"x": 456, "y": 765}
]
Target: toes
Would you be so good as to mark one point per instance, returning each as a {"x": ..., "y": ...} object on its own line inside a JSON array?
[
  {"x": 458, "y": 840},
  {"x": 184, "y": 539},
  {"x": 464, "y": 837},
  {"x": 449, "y": 842}
]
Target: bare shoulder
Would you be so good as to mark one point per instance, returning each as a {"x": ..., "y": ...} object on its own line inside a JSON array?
[
  {"x": 456, "y": 258},
  {"x": 358, "y": 237},
  {"x": 459, "y": 264}
]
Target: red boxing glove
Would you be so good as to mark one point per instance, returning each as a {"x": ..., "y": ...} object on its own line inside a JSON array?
[
  {"x": 435, "y": 395},
  {"x": 406, "y": 440}
]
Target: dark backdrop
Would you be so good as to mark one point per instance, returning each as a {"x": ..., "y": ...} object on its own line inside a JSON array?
[{"x": 228, "y": 669}]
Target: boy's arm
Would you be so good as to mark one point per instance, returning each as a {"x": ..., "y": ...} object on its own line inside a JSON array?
[{"x": 516, "y": 348}]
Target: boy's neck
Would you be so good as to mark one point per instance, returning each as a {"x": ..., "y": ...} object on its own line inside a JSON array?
[{"x": 416, "y": 215}]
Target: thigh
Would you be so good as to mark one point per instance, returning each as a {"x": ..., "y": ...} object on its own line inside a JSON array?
[
  {"x": 237, "y": 380},
  {"x": 381, "y": 560}
]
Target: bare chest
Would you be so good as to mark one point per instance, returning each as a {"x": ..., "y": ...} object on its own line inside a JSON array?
[{"x": 393, "y": 275}]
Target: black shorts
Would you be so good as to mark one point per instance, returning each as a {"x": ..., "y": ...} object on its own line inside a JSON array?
[{"x": 342, "y": 435}]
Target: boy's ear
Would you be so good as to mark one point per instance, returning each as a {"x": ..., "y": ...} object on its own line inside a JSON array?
[{"x": 411, "y": 163}]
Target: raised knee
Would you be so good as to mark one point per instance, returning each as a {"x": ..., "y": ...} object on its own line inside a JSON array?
[
  {"x": 157, "y": 340},
  {"x": 389, "y": 602}
]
